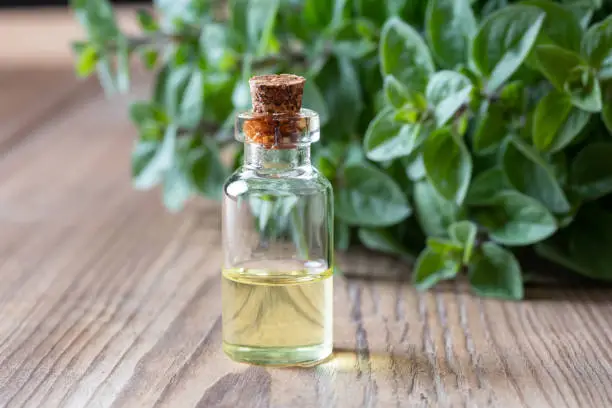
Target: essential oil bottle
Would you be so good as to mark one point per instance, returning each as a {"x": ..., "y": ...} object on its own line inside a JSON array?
[{"x": 277, "y": 234}]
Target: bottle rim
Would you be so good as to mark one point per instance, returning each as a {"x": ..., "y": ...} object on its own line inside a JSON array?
[{"x": 278, "y": 130}]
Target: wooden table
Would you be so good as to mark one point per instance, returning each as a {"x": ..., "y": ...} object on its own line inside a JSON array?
[{"x": 107, "y": 300}]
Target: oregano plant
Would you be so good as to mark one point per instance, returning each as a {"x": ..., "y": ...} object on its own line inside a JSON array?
[{"x": 464, "y": 136}]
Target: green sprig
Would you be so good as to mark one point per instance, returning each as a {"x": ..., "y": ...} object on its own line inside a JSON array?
[{"x": 463, "y": 129}]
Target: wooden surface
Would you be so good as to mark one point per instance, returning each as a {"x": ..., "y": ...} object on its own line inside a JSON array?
[{"x": 108, "y": 301}]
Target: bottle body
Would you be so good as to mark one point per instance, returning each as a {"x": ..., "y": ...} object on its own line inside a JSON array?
[{"x": 278, "y": 247}]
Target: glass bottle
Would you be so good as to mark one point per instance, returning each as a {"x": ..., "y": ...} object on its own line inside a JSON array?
[{"x": 277, "y": 234}]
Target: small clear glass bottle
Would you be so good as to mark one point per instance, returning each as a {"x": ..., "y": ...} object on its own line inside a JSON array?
[{"x": 277, "y": 234}]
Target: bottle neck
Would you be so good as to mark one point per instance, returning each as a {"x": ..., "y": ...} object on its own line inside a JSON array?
[{"x": 263, "y": 159}]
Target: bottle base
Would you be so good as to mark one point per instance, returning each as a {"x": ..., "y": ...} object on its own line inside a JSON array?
[{"x": 278, "y": 356}]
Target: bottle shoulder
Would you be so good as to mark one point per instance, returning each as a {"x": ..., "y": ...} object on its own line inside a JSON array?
[{"x": 300, "y": 181}]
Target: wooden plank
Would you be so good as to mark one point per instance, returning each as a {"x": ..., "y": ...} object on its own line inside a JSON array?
[
  {"x": 31, "y": 96},
  {"x": 109, "y": 301},
  {"x": 42, "y": 37},
  {"x": 36, "y": 80}
]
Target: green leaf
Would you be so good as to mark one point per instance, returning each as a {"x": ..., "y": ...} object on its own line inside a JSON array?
[
  {"x": 561, "y": 26},
  {"x": 86, "y": 60},
  {"x": 148, "y": 165},
  {"x": 319, "y": 14},
  {"x": 373, "y": 9},
  {"x": 396, "y": 93},
  {"x": 208, "y": 173},
  {"x": 404, "y": 54},
  {"x": 149, "y": 57},
  {"x": 241, "y": 96},
  {"x": 431, "y": 268},
  {"x": 556, "y": 63},
  {"x": 584, "y": 89},
  {"x": 313, "y": 99},
  {"x": 504, "y": 40},
  {"x": 558, "y": 164},
  {"x": 146, "y": 21},
  {"x": 341, "y": 89},
  {"x": 370, "y": 198},
  {"x": 597, "y": 45},
  {"x": 606, "y": 115},
  {"x": 106, "y": 76},
  {"x": 397, "y": 7},
  {"x": 433, "y": 212},
  {"x": 175, "y": 84},
  {"x": 487, "y": 185},
  {"x": 447, "y": 92},
  {"x": 97, "y": 17},
  {"x": 191, "y": 106},
  {"x": 514, "y": 96},
  {"x": 490, "y": 6},
  {"x": 415, "y": 169},
  {"x": 556, "y": 122},
  {"x": 577, "y": 120},
  {"x": 353, "y": 154},
  {"x": 140, "y": 112},
  {"x": 450, "y": 27},
  {"x": 495, "y": 272},
  {"x": 448, "y": 165},
  {"x": 464, "y": 233},
  {"x": 591, "y": 171},
  {"x": 491, "y": 129},
  {"x": 182, "y": 54},
  {"x": 583, "y": 9},
  {"x": 159, "y": 85},
  {"x": 590, "y": 242},
  {"x": 447, "y": 248},
  {"x": 216, "y": 47},
  {"x": 342, "y": 235},
  {"x": 261, "y": 19},
  {"x": 515, "y": 219},
  {"x": 356, "y": 48},
  {"x": 145, "y": 114},
  {"x": 142, "y": 155},
  {"x": 152, "y": 128},
  {"x": 177, "y": 188},
  {"x": 238, "y": 11},
  {"x": 379, "y": 239},
  {"x": 550, "y": 114},
  {"x": 366, "y": 28},
  {"x": 387, "y": 139},
  {"x": 409, "y": 115},
  {"x": 179, "y": 13},
  {"x": 529, "y": 173},
  {"x": 123, "y": 65},
  {"x": 326, "y": 162}
]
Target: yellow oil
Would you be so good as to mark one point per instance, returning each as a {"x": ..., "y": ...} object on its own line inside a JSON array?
[{"x": 278, "y": 312}]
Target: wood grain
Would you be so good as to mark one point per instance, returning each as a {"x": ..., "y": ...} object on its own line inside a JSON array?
[
  {"x": 108, "y": 301},
  {"x": 23, "y": 108}
]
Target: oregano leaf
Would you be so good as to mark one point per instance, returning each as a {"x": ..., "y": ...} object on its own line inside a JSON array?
[
  {"x": 496, "y": 272},
  {"x": 448, "y": 165}
]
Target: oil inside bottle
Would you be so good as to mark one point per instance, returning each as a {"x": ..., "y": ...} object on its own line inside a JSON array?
[{"x": 278, "y": 312}]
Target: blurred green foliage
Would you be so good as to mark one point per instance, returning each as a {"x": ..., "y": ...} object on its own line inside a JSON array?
[{"x": 472, "y": 132}]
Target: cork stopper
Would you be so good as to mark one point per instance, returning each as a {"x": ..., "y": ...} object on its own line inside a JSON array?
[{"x": 274, "y": 94}]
